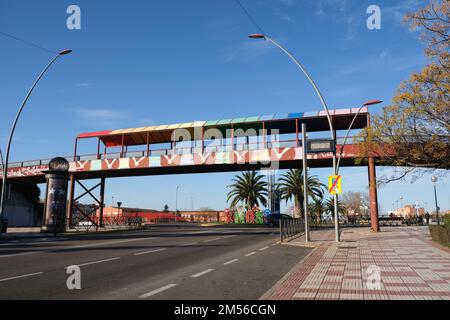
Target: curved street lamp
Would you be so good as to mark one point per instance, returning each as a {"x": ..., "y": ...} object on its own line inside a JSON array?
[
  {"x": 434, "y": 180},
  {"x": 365, "y": 104},
  {"x": 176, "y": 203},
  {"x": 13, "y": 128},
  {"x": 322, "y": 100}
]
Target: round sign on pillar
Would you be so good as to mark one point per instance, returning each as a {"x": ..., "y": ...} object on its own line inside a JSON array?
[{"x": 56, "y": 195}]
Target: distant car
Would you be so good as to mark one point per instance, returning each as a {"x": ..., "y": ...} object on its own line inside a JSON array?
[{"x": 273, "y": 220}]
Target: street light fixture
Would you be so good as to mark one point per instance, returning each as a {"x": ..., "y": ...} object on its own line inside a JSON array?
[
  {"x": 434, "y": 180},
  {"x": 176, "y": 203},
  {"x": 322, "y": 100},
  {"x": 13, "y": 128},
  {"x": 365, "y": 104}
]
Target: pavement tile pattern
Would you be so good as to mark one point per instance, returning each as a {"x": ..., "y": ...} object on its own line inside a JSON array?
[{"x": 398, "y": 263}]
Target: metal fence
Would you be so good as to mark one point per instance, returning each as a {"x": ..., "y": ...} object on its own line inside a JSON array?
[
  {"x": 116, "y": 222},
  {"x": 290, "y": 228}
]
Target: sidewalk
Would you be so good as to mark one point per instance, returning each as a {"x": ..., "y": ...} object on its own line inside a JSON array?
[{"x": 411, "y": 267}]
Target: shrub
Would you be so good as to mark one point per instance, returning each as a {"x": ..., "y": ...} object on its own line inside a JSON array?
[
  {"x": 446, "y": 220},
  {"x": 440, "y": 234}
]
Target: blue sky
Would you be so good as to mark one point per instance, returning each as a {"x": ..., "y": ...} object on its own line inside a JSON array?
[{"x": 153, "y": 62}]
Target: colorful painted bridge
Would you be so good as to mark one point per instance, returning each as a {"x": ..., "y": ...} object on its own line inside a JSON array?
[
  {"x": 211, "y": 146},
  {"x": 239, "y": 144}
]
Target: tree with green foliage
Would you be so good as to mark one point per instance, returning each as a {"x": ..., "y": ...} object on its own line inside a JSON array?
[
  {"x": 414, "y": 131},
  {"x": 249, "y": 188},
  {"x": 291, "y": 187},
  {"x": 317, "y": 208},
  {"x": 329, "y": 207}
]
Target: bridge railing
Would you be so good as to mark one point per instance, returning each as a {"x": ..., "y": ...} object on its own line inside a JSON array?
[{"x": 177, "y": 150}]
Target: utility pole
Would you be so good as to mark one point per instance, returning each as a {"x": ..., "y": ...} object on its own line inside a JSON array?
[{"x": 305, "y": 181}]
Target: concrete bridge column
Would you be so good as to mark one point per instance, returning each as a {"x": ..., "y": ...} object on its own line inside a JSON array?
[
  {"x": 70, "y": 204},
  {"x": 373, "y": 197},
  {"x": 56, "y": 196}
]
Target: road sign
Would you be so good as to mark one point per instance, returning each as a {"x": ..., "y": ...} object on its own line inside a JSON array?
[
  {"x": 335, "y": 184},
  {"x": 320, "y": 145}
]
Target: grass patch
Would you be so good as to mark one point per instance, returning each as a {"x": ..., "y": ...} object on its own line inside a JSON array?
[{"x": 440, "y": 234}]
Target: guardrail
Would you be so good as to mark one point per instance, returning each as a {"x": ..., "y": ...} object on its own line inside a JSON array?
[{"x": 291, "y": 228}]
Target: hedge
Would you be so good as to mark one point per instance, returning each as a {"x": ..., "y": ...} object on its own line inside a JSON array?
[{"x": 440, "y": 234}]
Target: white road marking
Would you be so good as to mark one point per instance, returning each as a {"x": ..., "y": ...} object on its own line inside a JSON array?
[
  {"x": 78, "y": 246},
  {"x": 187, "y": 244},
  {"x": 197, "y": 232},
  {"x": 250, "y": 254},
  {"x": 33, "y": 242},
  {"x": 202, "y": 273},
  {"x": 230, "y": 236},
  {"x": 210, "y": 240},
  {"x": 99, "y": 261},
  {"x": 265, "y": 248},
  {"x": 151, "y": 293},
  {"x": 22, "y": 276},
  {"x": 150, "y": 251},
  {"x": 20, "y": 254},
  {"x": 231, "y": 261}
]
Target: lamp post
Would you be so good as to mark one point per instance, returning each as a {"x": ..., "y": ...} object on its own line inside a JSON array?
[
  {"x": 176, "y": 203},
  {"x": 365, "y": 104},
  {"x": 434, "y": 180},
  {"x": 13, "y": 128},
  {"x": 322, "y": 100}
]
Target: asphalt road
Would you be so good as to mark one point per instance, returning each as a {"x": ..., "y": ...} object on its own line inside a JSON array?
[{"x": 160, "y": 262}]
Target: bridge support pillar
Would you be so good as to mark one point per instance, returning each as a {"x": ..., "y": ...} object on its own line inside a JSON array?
[
  {"x": 86, "y": 215},
  {"x": 373, "y": 197},
  {"x": 56, "y": 196},
  {"x": 102, "y": 201},
  {"x": 70, "y": 204}
]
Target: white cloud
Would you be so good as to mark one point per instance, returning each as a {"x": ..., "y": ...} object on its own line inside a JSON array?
[
  {"x": 383, "y": 62},
  {"x": 100, "y": 117},
  {"x": 397, "y": 12},
  {"x": 249, "y": 50}
]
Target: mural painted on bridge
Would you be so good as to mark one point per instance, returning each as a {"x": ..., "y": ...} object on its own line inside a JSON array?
[{"x": 264, "y": 157}]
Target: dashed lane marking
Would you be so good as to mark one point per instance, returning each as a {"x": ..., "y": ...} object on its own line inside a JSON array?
[
  {"x": 21, "y": 276},
  {"x": 99, "y": 261},
  {"x": 202, "y": 273},
  {"x": 149, "y": 251},
  {"x": 210, "y": 240},
  {"x": 231, "y": 261},
  {"x": 156, "y": 291}
]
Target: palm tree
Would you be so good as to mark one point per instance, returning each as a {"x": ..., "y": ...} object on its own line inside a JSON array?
[
  {"x": 250, "y": 188},
  {"x": 317, "y": 208},
  {"x": 291, "y": 186},
  {"x": 329, "y": 205}
]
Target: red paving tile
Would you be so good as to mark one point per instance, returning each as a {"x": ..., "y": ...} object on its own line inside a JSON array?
[{"x": 410, "y": 265}]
